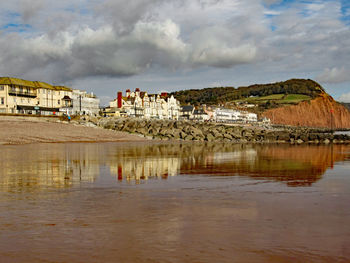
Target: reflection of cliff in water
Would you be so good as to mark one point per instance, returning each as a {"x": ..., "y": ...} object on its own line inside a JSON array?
[
  {"x": 27, "y": 168},
  {"x": 296, "y": 165}
]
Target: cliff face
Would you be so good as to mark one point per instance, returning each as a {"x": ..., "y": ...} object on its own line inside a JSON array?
[{"x": 323, "y": 111}]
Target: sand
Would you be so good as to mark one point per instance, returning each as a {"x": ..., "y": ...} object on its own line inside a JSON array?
[{"x": 25, "y": 130}]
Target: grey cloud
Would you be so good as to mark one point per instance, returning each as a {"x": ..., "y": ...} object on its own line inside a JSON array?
[
  {"x": 30, "y": 8},
  {"x": 220, "y": 47},
  {"x": 334, "y": 75},
  {"x": 105, "y": 52},
  {"x": 123, "y": 16},
  {"x": 81, "y": 38},
  {"x": 270, "y": 2}
]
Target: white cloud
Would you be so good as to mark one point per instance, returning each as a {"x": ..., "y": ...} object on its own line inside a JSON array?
[
  {"x": 345, "y": 97},
  {"x": 75, "y": 39},
  {"x": 334, "y": 75}
]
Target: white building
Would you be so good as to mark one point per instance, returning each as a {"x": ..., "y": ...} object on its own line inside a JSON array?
[
  {"x": 229, "y": 115},
  {"x": 80, "y": 102},
  {"x": 142, "y": 105},
  {"x": 85, "y": 103}
]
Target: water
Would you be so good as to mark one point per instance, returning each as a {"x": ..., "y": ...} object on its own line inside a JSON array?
[{"x": 115, "y": 202}]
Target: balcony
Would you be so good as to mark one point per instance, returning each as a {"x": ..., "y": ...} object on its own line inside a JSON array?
[{"x": 22, "y": 94}]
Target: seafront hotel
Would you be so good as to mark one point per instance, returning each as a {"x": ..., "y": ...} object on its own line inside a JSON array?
[{"x": 18, "y": 96}]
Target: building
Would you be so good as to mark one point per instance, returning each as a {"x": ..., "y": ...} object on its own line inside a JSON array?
[
  {"x": 30, "y": 97},
  {"x": 187, "y": 112},
  {"x": 229, "y": 115},
  {"x": 200, "y": 115},
  {"x": 81, "y": 103},
  {"x": 20, "y": 96},
  {"x": 143, "y": 105}
]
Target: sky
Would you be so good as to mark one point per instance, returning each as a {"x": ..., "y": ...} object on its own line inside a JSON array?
[{"x": 106, "y": 46}]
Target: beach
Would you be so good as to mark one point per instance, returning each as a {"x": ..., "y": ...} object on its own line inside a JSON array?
[{"x": 25, "y": 130}]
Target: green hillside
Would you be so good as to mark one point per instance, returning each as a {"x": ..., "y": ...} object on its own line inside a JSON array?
[
  {"x": 277, "y": 98},
  {"x": 288, "y": 92}
]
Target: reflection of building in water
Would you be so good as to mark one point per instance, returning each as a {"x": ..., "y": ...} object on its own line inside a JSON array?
[
  {"x": 248, "y": 155},
  {"x": 35, "y": 172},
  {"x": 294, "y": 165},
  {"x": 28, "y": 167},
  {"x": 144, "y": 168}
]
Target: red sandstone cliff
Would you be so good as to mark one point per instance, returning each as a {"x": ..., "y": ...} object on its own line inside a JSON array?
[{"x": 322, "y": 111}]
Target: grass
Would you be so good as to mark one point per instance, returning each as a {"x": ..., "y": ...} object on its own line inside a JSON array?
[
  {"x": 271, "y": 97},
  {"x": 296, "y": 98},
  {"x": 278, "y": 99}
]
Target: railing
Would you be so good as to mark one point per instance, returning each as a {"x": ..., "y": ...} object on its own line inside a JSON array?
[{"x": 22, "y": 94}]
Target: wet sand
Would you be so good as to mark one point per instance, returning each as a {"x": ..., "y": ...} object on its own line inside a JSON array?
[{"x": 24, "y": 130}]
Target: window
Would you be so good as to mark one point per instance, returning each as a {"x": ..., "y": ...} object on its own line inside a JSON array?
[
  {"x": 1, "y": 88},
  {"x": 2, "y": 101},
  {"x": 59, "y": 102}
]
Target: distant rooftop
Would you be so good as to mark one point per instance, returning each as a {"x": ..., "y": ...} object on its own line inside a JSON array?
[{"x": 31, "y": 84}]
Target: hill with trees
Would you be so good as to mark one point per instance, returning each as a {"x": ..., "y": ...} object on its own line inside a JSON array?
[
  {"x": 222, "y": 95},
  {"x": 297, "y": 102}
]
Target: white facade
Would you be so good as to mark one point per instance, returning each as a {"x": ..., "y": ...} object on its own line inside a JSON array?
[
  {"x": 141, "y": 105},
  {"x": 83, "y": 103},
  {"x": 229, "y": 115},
  {"x": 19, "y": 96}
]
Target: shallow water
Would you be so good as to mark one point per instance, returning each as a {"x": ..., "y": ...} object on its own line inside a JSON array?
[{"x": 115, "y": 202}]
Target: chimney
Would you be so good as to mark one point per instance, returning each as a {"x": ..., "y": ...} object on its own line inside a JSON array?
[{"x": 120, "y": 97}]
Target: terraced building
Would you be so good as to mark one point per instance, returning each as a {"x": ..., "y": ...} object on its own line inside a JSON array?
[{"x": 20, "y": 96}]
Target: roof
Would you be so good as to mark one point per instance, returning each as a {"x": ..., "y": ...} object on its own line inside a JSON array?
[
  {"x": 43, "y": 85},
  {"x": 196, "y": 112},
  {"x": 64, "y": 88},
  {"x": 15, "y": 81},
  {"x": 31, "y": 84},
  {"x": 66, "y": 98},
  {"x": 187, "y": 108}
]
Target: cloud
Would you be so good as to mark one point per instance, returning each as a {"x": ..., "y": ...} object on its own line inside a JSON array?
[
  {"x": 123, "y": 17},
  {"x": 93, "y": 52},
  {"x": 30, "y": 8},
  {"x": 271, "y": 2},
  {"x": 127, "y": 45},
  {"x": 219, "y": 47},
  {"x": 345, "y": 97},
  {"x": 72, "y": 40},
  {"x": 334, "y": 75}
]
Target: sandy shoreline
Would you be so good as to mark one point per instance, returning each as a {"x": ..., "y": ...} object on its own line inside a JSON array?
[{"x": 22, "y": 130}]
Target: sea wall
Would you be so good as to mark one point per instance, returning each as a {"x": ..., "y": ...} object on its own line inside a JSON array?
[{"x": 199, "y": 131}]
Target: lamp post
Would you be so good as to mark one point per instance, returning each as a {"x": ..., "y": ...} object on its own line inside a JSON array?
[{"x": 79, "y": 104}]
